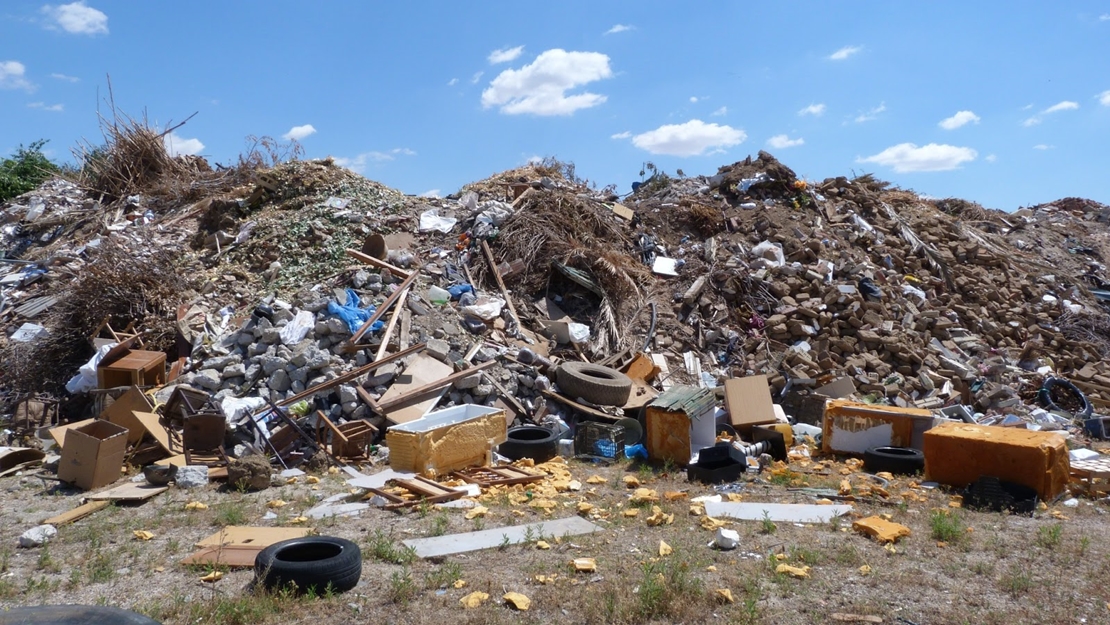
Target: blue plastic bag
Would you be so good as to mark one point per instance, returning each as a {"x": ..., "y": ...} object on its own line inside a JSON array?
[
  {"x": 635, "y": 451},
  {"x": 456, "y": 290},
  {"x": 352, "y": 315}
]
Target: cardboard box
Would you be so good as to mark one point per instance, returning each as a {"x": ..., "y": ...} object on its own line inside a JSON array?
[
  {"x": 960, "y": 453},
  {"x": 446, "y": 440},
  {"x": 93, "y": 454},
  {"x": 748, "y": 402},
  {"x": 853, "y": 428}
]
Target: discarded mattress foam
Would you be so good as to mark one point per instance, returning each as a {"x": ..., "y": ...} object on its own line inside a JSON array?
[
  {"x": 446, "y": 440},
  {"x": 960, "y": 453}
]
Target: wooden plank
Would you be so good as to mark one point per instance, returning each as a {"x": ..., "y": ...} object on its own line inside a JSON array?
[
  {"x": 388, "y": 334},
  {"x": 131, "y": 491},
  {"x": 579, "y": 407},
  {"x": 379, "y": 312},
  {"x": 406, "y": 328},
  {"x": 380, "y": 264},
  {"x": 77, "y": 513},
  {"x": 350, "y": 375},
  {"x": 500, "y": 282},
  {"x": 432, "y": 386},
  {"x": 421, "y": 371}
]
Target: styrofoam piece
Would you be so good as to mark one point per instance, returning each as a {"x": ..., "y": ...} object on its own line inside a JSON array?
[
  {"x": 783, "y": 512},
  {"x": 487, "y": 539}
]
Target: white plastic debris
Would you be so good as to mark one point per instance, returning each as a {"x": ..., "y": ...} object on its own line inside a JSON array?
[
  {"x": 726, "y": 539},
  {"x": 486, "y": 308},
  {"x": 771, "y": 253},
  {"x": 665, "y": 266},
  {"x": 579, "y": 332},
  {"x": 85, "y": 380},
  {"x": 295, "y": 331},
  {"x": 431, "y": 220},
  {"x": 37, "y": 536}
]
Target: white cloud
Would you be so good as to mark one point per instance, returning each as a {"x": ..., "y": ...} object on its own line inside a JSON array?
[
  {"x": 12, "y": 76},
  {"x": 504, "y": 55},
  {"x": 476, "y": 77},
  {"x": 54, "y": 108},
  {"x": 817, "y": 110},
  {"x": 1104, "y": 98},
  {"x": 961, "y": 118},
  {"x": 618, "y": 28},
  {"x": 358, "y": 163},
  {"x": 296, "y": 133},
  {"x": 535, "y": 159},
  {"x": 430, "y": 193},
  {"x": 1105, "y": 17},
  {"x": 177, "y": 145},
  {"x": 403, "y": 151},
  {"x": 1066, "y": 105},
  {"x": 689, "y": 139},
  {"x": 65, "y": 78},
  {"x": 540, "y": 88},
  {"x": 621, "y": 135},
  {"x": 990, "y": 158},
  {"x": 872, "y": 114},
  {"x": 844, "y": 53},
  {"x": 693, "y": 99},
  {"x": 1043, "y": 146},
  {"x": 907, "y": 157},
  {"x": 452, "y": 82},
  {"x": 721, "y": 111},
  {"x": 77, "y": 18},
  {"x": 781, "y": 142}
]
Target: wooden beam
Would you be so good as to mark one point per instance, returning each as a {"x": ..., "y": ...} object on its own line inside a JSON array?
[
  {"x": 388, "y": 334},
  {"x": 380, "y": 264},
  {"x": 500, "y": 282},
  {"x": 367, "y": 399},
  {"x": 381, "y": 310},
  {"x": 511, "y": 400},
  {"x": 347, "y": 377},
  {"x": 579, "y": 407},
  {"x": 406, "y": 328},
  {"x": 432, "y": 386}
]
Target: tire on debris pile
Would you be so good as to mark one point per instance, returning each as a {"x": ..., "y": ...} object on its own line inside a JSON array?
[
  {"x": 1045, "y": 397},
  {"x": 593, "y": 383},
  {"x": 530, "y": 441},
  {"x": 319, "y": 562},
  {"x": 897, "y": 460}
]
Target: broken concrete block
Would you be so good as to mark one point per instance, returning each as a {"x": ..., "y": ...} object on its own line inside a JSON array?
[
  {"x": 37, "y": 536},
  {"x": 192, "y": 476},
  {"x": 252, "y": 472},
  {"x": 279, "y": 381},
  {"x": 234, "y": 370},
  {"x": 880, "y": 529},
  {"x": 469, "y": 382},
  {"x": 381, "y": 376},
  {"x": 960, "y": 453},
  {"x": 438, "y": 349},
  {"x": 208, "y": 379}
]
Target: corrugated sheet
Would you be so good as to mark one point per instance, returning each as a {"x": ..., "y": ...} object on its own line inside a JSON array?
[
  {"x": 33, "y": 307},
  {"x": 689, "y": 399}
]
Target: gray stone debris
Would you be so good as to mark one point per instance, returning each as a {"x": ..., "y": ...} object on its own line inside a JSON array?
[
  {"x": 192, "y": 476},
  {"x": 37, "y": 536}
]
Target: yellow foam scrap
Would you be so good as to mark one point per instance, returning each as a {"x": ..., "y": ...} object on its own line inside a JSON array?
[
  {"x": 631, "y": 481},
  {"x": 800, "y": 572},
  {"x": 143, "y": 534},
  {"x": 880, "y": 529},
  {"x": 644, "y": 495},
  {"x": 658, "y": 517},
  {"x": 596, "y": 479},
  {"x": 672, "y": 495},
  {"x": 711, "y": 524},
  {"x": 543, "y": 544},
  {"x": 474, "y": 599},
  {"x": 665, "y": 549},
  {"x": 517, "y": 600},
  {"x": 476, "y": 511},
  {"x": 585, "y": 565},
  {"x": 631, "y": 512},
  {"x": 724, "y": 595},
  {"x": 459, "y": 583}
]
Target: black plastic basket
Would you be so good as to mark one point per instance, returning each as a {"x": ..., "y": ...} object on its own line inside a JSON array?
[
  {"x": 991, "y": 493},
  {"x": 599, "y": 441}
]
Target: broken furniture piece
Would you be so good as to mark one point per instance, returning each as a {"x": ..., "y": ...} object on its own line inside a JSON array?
[
  {"x": 123, "y": 366},
  {"x": 853, "y": 427},
  {"x": 202, "y": 438},
  {"x": 680, "y": 422},
  {"x": 421, "y": 491},
  {"x": 495, "y": 476},
  {"x": 446, "y": 440},
  {"x": 349, "y": 441},
  {"x": 97, "y": 338}
]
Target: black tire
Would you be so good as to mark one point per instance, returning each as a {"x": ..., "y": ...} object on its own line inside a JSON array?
[
  {"x": 594, "y": 383},
  {"x": 897, "y": 460},
  {"x": 530, "y": 441},
  {"x": 72, "y": 615},
  {"x": 318, "y": 562},
  {"x": 1045, "y": 397}
]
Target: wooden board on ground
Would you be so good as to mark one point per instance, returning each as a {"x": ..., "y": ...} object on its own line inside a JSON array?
[
  {"x": 131, "y": 491},
  {"x": 152, "y": 424},
  {"x": 426, "y": 491},
  {"x": 424, "y": 369},
  {"x": 248, "y": 536},
  {"x": 487, "y": 539},
  {"x": 77, "y": 513}
]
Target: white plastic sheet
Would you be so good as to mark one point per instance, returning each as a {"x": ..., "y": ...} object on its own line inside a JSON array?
[
  {"x": 297, "y": 328},
  {"x": 85, "y": 380},
  {"x": 431, "y": 220}
]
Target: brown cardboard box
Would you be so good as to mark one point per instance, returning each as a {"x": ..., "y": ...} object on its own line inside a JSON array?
[
  {"x": 748, "y": 401},
  {"x": 960, "y": 453},
  {"x": 93, "y": 454}
]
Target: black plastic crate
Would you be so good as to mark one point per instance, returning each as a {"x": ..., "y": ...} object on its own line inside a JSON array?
[{"x": 599, "y": 441}]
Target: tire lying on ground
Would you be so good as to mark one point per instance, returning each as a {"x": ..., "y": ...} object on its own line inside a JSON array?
[
  {"x": 72, "y": 615},
  {"x": 318, "y": 562},
  {"x": 530, "y": 441},
  {"x": 594, "y": 383},
  {"x": 1045, "y": 396},
  {"x": 903, "y": 460}
]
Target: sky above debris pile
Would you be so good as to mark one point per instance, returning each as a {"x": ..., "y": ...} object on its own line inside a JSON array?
[{"x": 1007, "y": 105}]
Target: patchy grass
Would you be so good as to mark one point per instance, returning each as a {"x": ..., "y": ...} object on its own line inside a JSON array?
[
  {"x": 1049, "y": 536},
  {"x": 402, "y": 588},
  {"x": 382, "y": 548},
  {"x": 1016, "y": 581},
  {"x": 947, "y": 526}
]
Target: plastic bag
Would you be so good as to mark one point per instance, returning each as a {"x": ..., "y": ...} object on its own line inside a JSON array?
[
  {"x": 85, "y": 380},
  {"x": 352, "y": 315},
  {"x": 486, "y": 308},
  {"x": 771, "y": 253},
  {"x": 295, "y": 330},
  {"x": 431, "y": 220},
  {"x": 234, "y": 407}
]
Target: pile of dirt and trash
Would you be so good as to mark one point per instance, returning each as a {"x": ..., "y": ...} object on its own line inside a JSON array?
[{"x": 297, "y": 313}]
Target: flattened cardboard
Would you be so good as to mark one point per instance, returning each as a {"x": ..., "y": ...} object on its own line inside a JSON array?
[
  {"x": 231, "y": 557},
  {"x": 424, "y": 369},
  {"x": 248, "y": 536},
  {"x": 11, "y": 457},
  {"x": 120, "y": 412},
  {"x": 93, "y": 455},
  {"x": 151, "y": 422},
  {"x": 748, "y": 401}
]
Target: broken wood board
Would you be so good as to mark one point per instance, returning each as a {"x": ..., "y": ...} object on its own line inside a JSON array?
[
  {"x": 18, "y": 457},
  {"x": 131, "y": 491},
  {"x": 151, "y": 423},
  {"x": 426, "y": 491},
  {"x": 424, "y": 369},
  {"x": 579, "y": 407},
  {"x": 780, "y": 512},
  {"x": 122, "y": 410},
  {"x": 77, "y": 513},
  {"x": 496, "y": 476},
  {"x": 248, "y": 536},
  {"x": 486, "y": 539}
]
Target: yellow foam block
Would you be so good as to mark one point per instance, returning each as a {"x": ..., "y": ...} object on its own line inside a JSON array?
[
  {"x": 880, "y": 529},
  {"x": 447, "y": 440},
  {"x": 960, "y": 453}
]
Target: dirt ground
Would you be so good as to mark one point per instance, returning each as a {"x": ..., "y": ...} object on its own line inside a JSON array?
[{"x": 958, "y": 566}]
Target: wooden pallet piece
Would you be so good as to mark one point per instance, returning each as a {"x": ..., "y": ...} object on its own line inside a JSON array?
[
  {"x": 428, "y": 491},
  {"x": 495, "y": 476},
  {"x": 1093, "y": 475}
]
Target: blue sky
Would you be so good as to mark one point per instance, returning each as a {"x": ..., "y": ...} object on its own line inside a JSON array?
[{"x": 1007, "y": 104}]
